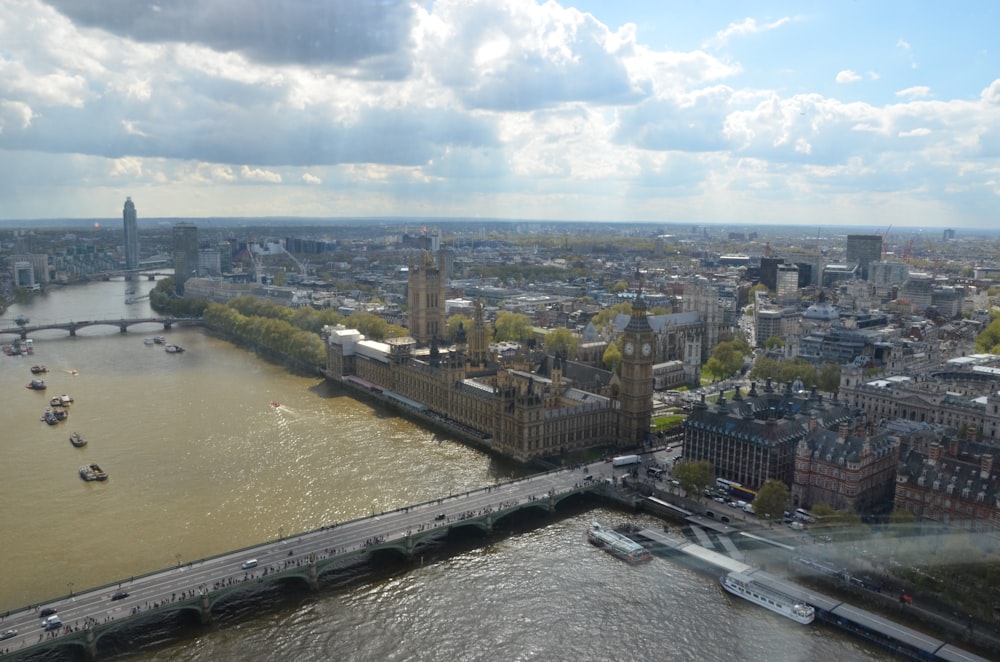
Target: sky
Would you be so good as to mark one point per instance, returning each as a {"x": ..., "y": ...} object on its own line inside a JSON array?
[{"x": 808, "y": 113}]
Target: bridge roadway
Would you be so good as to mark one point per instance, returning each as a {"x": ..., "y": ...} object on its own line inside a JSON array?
[
  {"x": 122, "y": 323},
  {"x": 200, "y": 585}
]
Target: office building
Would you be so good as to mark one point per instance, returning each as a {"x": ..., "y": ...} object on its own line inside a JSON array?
[
  {"x": 862, "y": 250},
  {"x": 131, "y": 236},
  {"x": 787, "y": 285}
]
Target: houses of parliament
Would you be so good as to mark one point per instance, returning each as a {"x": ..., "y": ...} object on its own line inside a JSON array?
[{"x": 548, "y": 408}]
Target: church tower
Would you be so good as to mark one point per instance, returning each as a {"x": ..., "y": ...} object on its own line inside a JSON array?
[
  {"x": 425, "y": 299},
  {"x": 635, "y": 393}
]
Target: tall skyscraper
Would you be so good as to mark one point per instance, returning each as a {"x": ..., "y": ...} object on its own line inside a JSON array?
[
  {"x": 131, "y": 235},
  {"x": 862, "y": 250},
  {"x": 185, "y": 254}
]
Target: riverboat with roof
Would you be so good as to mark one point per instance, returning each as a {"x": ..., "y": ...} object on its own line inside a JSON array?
[{"x": 744, "y": 586}]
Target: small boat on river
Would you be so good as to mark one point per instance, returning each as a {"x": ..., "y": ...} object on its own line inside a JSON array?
[
  {"x": 618, "y": 544},
  {"x": 77, "y": 440},
  {"x": 38, "y": 369},
  {"x": 173, "y": 349},
  {"x": 91, "y": 472},
  {"x": 159, "y": 340},
  {"x": 36, "y": 385}
]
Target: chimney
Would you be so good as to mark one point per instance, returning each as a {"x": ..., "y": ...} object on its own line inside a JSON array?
[
  {"x": 842, "y": 430},
  {"x": 933, "y": 453},
  {"x": 953, "y": 447},
  {"x": 986, "y": 466},
  {"x": 813, "y": 423}
]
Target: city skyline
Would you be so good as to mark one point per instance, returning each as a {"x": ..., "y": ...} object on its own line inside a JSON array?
[{"x": 580, "y": 111}]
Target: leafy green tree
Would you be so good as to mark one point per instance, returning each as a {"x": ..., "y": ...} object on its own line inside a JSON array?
[
  {"x": 606, "y": 316},
  {"x": 694, "y": 477},
  {"x": 512, "y": 326},
  {"x": 372, "y": 326},
  {"x": 988, "y": 341},
  {"x": 774, "y": 342},
  {"x": 828, "y": 377},
  {"x": 716, "y": 368},
  {"x": 561, "y": 340},
  {"x": 456, "y": 320},
  {"x": 764, "y": 368},
  {"x": 612, "y": 357},
  {"x": 619, "y": 287},
  {"x": 771, "y": 499}
]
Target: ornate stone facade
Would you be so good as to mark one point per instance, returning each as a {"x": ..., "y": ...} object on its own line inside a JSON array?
[{"x": 520, "y": 413}]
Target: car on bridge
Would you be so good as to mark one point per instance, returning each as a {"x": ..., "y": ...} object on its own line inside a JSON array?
[
  {"x": 8, "y": 634},
  {"x": 251, "y": 563},
  {"x": 48, "y": 611},
  {"x": 120, "y": 595}
]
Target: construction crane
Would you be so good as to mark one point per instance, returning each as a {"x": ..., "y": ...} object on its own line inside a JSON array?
[
  {"x": 906, "y": 251},
  {"x": 884, "y": 235},
  {"x": 303, "y": 269}
]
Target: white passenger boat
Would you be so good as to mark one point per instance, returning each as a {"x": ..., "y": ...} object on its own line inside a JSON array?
[{"x": 741, "y": 584}]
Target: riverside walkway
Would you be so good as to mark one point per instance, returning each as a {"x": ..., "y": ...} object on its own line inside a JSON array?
[
  {"x": 860, "y": 622},
  {"x": 199, "y": 586}
]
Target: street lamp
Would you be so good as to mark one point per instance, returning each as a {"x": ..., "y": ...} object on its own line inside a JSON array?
[
  {"x": 178, "y": 557},
  {"x": 69, "y": 585}
]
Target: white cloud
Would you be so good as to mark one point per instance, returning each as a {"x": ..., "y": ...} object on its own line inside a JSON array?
[
  {"x": 742, "y": 28},
  {"x": 15, "y": 114},
  {"x": 309, "y": 178},
  {"x": 922, "y": 131},
  {"x": 848, "y": 76},
  {"x": 260, "y": 175},
  {"x": 915, "y": 92}
]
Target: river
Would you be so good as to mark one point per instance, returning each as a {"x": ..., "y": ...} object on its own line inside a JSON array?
[{"x": 201, "y": 462}]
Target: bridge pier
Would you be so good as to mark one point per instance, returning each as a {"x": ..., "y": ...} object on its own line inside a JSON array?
[
  {"x": 89, "y": 643},
  {"x": 72, "y": 331},
  {"x": 489, "y": 522},
  {"x": 166, "y": 325},
  {"x": 206, "y": 610},
  {"x": 313, "y": 574},
  {"x": 409, "y": 546},
  {"x": 24, "y": 335},
  {"x": 123, "y": 328}
]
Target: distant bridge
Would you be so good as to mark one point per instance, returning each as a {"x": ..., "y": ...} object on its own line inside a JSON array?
[{"x": 122, "y": 323}]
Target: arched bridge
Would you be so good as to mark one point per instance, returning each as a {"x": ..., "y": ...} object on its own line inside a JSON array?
[
  {"x": 122, "y": 323},
  {"x": 200, "y": 586}
]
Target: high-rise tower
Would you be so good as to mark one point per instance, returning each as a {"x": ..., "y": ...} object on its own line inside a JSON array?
[
  {"x": 131, "y": 235},
  {"x": 185, "y": 254}
]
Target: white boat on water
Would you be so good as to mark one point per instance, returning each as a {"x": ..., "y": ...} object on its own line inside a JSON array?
[{"x": 743, "y": 585}]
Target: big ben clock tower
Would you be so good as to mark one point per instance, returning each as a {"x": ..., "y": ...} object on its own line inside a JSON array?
[{"x": 635, "y": 392}]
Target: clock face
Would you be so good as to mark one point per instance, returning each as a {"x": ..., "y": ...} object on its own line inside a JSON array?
[
  {"x": 646, "y": 349},
  {"x": 629, "y": 348}
]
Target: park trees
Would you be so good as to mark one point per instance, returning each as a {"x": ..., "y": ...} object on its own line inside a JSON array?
[{"x": 694, "y": 477}]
